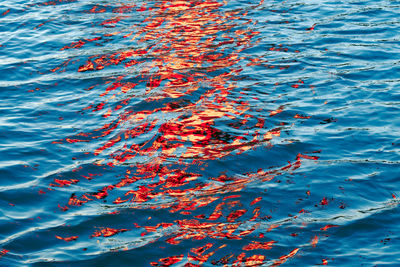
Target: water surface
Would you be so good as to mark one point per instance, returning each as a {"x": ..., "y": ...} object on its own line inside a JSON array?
[{"x": 199, "y": 133}]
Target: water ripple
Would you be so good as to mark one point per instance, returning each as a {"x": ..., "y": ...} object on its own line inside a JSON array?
[{"x": 199, "y": 133}]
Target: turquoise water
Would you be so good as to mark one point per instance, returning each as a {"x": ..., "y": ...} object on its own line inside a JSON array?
[{"x": 199, "y": 133}]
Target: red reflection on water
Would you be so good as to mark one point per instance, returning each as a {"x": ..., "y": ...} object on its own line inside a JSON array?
[
  {"x": 3, "y": 252},
  {"x": 106, "y": 232},
  {"x": 284, "y": 258},
  {"x": 68, "y": 239},
  {"x": 182, "y": 50}
]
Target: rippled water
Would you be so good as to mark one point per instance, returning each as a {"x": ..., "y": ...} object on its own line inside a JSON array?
[{"x": 199, "y": 133}]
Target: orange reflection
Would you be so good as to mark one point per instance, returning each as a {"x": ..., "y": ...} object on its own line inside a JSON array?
[{"x": 182, "y": 50}]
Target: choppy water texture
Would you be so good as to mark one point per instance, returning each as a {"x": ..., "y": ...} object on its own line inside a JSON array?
[{"x": 199, "y": 133}]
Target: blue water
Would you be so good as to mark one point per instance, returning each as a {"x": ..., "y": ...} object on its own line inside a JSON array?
[{"x": 199, "y": 133}]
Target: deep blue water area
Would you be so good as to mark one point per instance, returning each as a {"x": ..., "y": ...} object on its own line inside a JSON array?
[{"x": 199, "y": 133}]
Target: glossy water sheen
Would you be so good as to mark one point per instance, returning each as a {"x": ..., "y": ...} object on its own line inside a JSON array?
[{"x": 203, "y": 132}]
